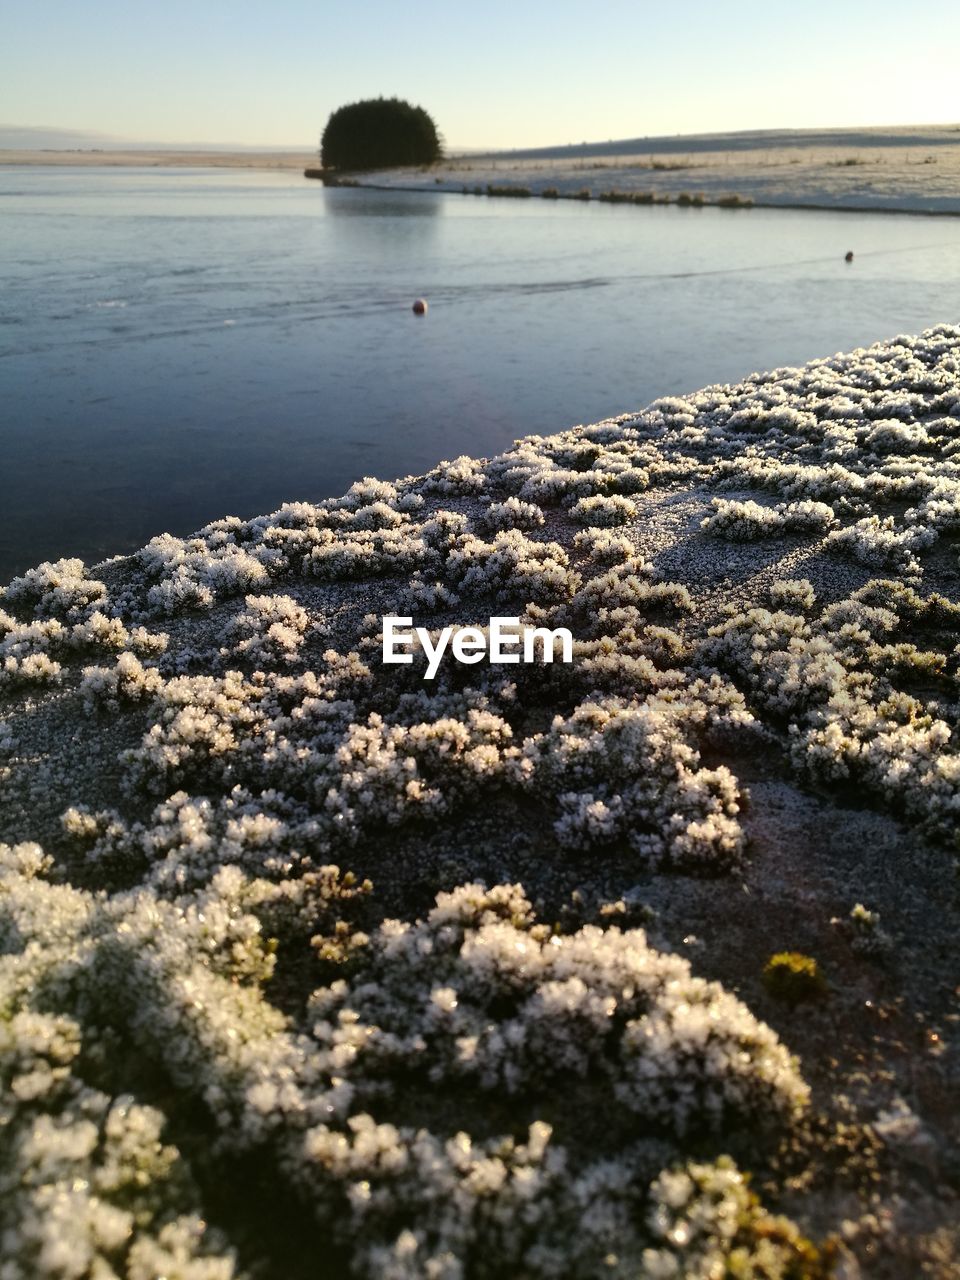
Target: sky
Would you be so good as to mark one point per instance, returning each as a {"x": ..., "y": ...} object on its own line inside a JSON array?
[{"x": 492, "y": 74}]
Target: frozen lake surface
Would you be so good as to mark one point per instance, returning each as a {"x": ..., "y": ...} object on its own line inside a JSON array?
[{"x": 178, "y": 345}]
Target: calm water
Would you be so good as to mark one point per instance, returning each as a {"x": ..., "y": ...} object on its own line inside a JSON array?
[{"x": 181, "y": 345}]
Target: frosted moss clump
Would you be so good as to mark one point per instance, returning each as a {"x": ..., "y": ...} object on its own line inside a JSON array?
[
  {"x": 630, "y": 772},
  {"x": 27, "y": 651},
  {"x": 354, "y": 772},
  {"x": 695, "y": 1221},
  {"x": 604, "y": 548},
  {"x": 92, "y": 1189},
  {"x": 178, "y": 976},
  {"x": 463, "y": 475},
  {"x": 892, "y": 436},
  {"x": 628, "y": 585},
  {"x": 573, "y": 466},
  {"x": 98, "y": 631},
  {"x": 940, "y": 509},
  {"x": 741, "y": 521},
  {"x": 364, "y": 553},
  {"x": 511, "y": 562},
  {"x": 390, "y": 772},
  {"x": 422, "y": 594},
  {"x": 879, "y": 543},
  {"x": 708, "y": 1224},
  {"x": 551, "y": 484},
  {"x": 179, "y": 593},
  {"x": 201, "y": 723},
  {"x": 602, "y": 511},
  {"x": 56, "y": 590},
  {"x": 194, "y": 572},
  {"x": 833, "y": 483},
  {"x": 806, "y": 516},
  {"x": 271, "y": 629},
  {"x": 32, "y": 669},
  {"x": 831, "y": 679},
  {"x": 479, "y": 993},
  {"x": 87, "y": 1183},
  {"x": 793, "y": 593},
  {"x": 35, "y": 653},
  {"x": 443, "y": 531},
  {"x": 376, "y": 515},
  {"x": 595, "y": 1003},
  {"x": 512, "y": 514},
  {"x": 747, "y": 521},
  {"x": 127, "y": 680},
  {"x": 188, "y": 839}
]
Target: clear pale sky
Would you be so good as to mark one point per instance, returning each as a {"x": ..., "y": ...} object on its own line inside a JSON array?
[{"x": 492, "y": 74}]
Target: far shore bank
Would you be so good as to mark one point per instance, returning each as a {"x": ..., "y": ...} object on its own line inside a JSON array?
[
  {"x": 682, "y": 200},
  {"x": 900, "y": 170},
  {"x": 148, "y": 159},
  {"x": 868, "y": 170}
]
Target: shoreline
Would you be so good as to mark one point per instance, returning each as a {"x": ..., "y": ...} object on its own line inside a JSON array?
[{"x": 731, "y": 205}]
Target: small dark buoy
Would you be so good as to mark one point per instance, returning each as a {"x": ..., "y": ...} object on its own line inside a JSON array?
[
  {"x": 420, "y": 307},
  {"x": 848, "y": 256}
]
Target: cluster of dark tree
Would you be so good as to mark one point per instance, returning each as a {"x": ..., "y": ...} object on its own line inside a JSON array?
[{"x": 378, "y": 133}]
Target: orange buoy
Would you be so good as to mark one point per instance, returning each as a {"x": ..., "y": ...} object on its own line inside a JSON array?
[
  {"x": 848, "y": 256},
  {"x": 420, "y": 307}
]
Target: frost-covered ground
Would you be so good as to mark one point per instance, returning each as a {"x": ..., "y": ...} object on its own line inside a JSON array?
[
  {"x": 311, "y": 968},
  {"x": 899, "y": 170}
]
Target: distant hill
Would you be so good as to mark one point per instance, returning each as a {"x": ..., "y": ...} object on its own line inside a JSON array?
[
  {"x": 34, "y": 138},
  {"x": 29, "y": 138},
  {"x": 749, "y": 140}
]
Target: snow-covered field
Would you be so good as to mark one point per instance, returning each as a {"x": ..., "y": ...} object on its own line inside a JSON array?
[
  {"x": 896, "y": 170},
  {"x": 309, "y": 967}
]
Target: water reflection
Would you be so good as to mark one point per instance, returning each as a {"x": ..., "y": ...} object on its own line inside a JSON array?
[{"x": 348, "y": 202}]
